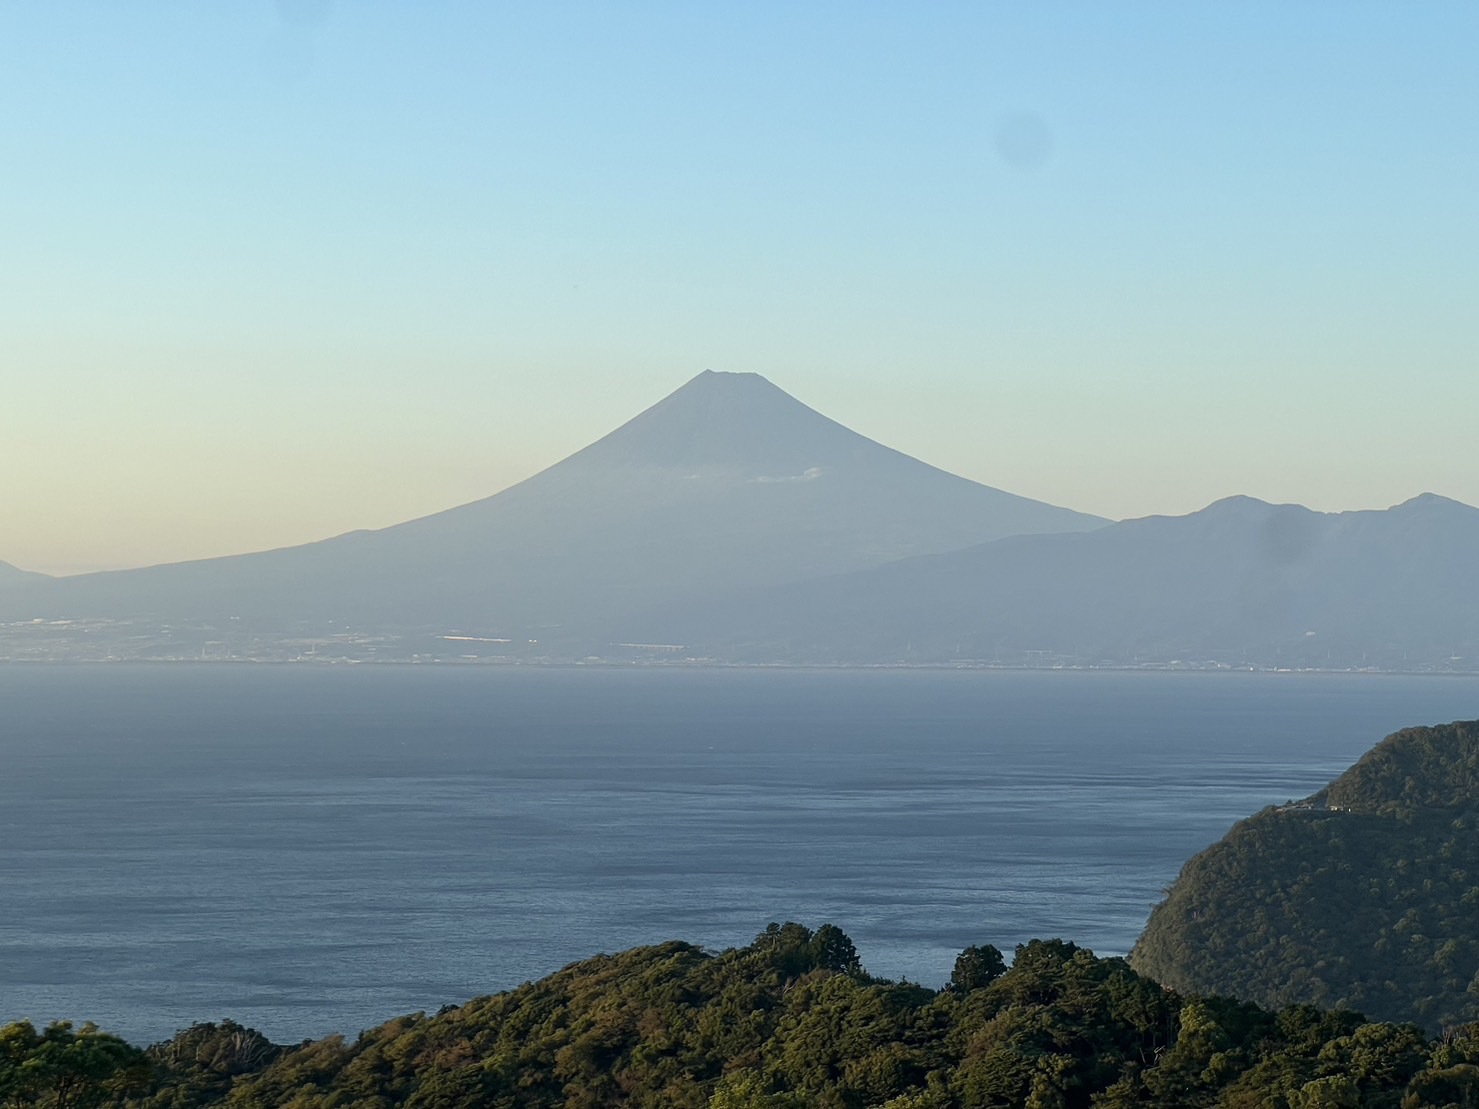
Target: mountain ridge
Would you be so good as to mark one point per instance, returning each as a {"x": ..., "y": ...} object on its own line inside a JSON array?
[
  {"x": 791, "y": 1020},
  {"x": 13, "y": 575},
  {"x": 1241, "y": 581},
  {"x": 730, "y": 522},
  {"x": 729, "y": 481}
]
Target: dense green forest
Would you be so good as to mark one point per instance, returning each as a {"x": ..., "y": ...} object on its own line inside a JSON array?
[
  {"x": 792, "y": 1020},
  {"x": 1365, "y": 895}
]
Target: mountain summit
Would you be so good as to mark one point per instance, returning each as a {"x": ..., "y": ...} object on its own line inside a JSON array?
[
  {"x": 727, "y": 483},
  {"x": 737, "y": 421}
]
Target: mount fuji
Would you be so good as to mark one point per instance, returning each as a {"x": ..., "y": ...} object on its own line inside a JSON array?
[{"x": 727, "y": 484}]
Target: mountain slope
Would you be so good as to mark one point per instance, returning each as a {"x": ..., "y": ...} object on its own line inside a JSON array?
[
  {"x": 792, "y": 1021},
  {"x": 728, "y": 482},
  {"x": 1362, "y": 896},
  {"x": 1238, "y": 582},
  {"x": 13, "y": 576}
]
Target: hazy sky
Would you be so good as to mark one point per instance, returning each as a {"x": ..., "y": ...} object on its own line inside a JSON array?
[{"x": 273, "y": 271}]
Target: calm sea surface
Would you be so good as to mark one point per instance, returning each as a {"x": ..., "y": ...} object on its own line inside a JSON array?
[{"x": 311, "y": 850}]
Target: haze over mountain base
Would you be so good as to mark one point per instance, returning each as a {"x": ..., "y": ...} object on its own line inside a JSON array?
[{"x": 730, "y": 523}]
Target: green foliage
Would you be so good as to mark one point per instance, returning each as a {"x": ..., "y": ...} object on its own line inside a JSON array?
[
  {"x": 833, "y": 950},
  {"x": 1414, "y": 770},
  {"x": 199, "y": 1064},
  {"x": 787, "y": 1022},
  {"x": 1364, "y": 896},
  {"x": 63, "y": 1068},
  {"x": 746, "y": 1090},
  {"x": 976, "y": 967}
]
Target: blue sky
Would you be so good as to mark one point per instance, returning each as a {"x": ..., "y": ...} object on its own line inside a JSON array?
[{"x": 272, "y": 271}]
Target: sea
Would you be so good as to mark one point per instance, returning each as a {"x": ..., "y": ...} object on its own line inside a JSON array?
[{"x": 312, "y": 850}]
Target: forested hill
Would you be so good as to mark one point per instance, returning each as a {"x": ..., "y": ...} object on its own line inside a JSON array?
[
  {"x": 790, "y": 1021},
  {"x": 1364, "y": 895},
  {"x": 1411, "y": 772}
]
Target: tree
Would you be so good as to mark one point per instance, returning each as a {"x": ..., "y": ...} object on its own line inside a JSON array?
[
  {"x": 63, "y": 1068},
  {"x": 975, "y": 967},
  {"x": 746, "y": 1090},
  {"x": 833, "y": 950}
]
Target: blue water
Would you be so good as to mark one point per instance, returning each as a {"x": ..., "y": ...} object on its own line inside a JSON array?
[{"x": 312, "y": 850}]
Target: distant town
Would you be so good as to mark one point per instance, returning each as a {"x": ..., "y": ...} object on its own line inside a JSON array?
[{"x": 108, "y": 640}]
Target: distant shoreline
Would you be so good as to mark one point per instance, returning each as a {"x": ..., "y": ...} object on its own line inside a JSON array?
[{"x": 715, "y": 664}]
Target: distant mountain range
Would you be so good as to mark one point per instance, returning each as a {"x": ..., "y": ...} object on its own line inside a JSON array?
[
  {"x": 1239, "y": 583},
  {"x": 731, "y": 522}
]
